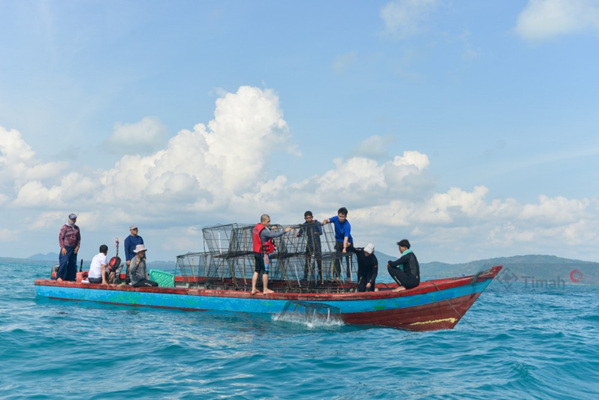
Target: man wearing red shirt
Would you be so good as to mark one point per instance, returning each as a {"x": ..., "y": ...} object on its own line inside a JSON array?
[{"x": 69, "y": 240}]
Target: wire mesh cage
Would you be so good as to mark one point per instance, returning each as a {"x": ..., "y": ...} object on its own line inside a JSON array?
[
  {"x": 218, "y": 238},
  {"x": 195, "y": 268},
  {"x": 307, "y": 257}
]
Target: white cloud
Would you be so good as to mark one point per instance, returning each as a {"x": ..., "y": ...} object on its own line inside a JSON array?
[
  {"x": 582, "y": 232},
  {"x": 358, "y": 182},
  {"x": 46, "y": 219},
  {"x": 18, "y": 164},
  {"x": 404, "y": 18},
  {"x": 558, "y": 210},
  {"x": 140, "y": 137},
  {"x": 182, "y": 240},
  {"x": 6, "y": 235},
  {"x": 217, "y": 173},
  {"x": 344, "y": 61},
  {"x": 72, "y": 188},
  {"x": 374, "y": 147},
  {"x": 544, "y": 19},
  {"x": 205, "y": 167}
]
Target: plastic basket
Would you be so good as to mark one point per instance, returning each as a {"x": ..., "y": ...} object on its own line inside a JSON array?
[{"x": 162, "y": 278}]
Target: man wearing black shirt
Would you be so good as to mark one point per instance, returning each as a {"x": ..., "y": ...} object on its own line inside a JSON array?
[
  {"x": 367, "y": 267},
  {"x": 313, "y": 230},
  {"x": 405, "y": 270}
]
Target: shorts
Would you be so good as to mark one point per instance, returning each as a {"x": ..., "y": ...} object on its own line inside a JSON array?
[{"x": 262, "y": 263}]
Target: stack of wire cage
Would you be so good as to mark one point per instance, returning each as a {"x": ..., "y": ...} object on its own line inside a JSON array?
[{"x": 304, "y": 260}]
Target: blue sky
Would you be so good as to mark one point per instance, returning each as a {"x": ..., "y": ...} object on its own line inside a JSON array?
[{"x": 470, "y": 128}]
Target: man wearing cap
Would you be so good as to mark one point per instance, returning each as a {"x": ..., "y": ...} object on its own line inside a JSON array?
[
  {"x": 368, "y": 267},
  {"x": 312, "y": 230},
  {"x": 139, "y": 273},
  {"x": 69, "y": 240},
  {"x": 405, "y": 270},
  {"x": 131, "y": 243}
]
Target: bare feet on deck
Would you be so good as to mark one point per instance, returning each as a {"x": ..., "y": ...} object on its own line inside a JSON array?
[
  {"x": 399, "y": 289},
  {"x": 268, "y": 291},
  {"x": 59, "y": 280},
  {"x": 254, "y": 292}
]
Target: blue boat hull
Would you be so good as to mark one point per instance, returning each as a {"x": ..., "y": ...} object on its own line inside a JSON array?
[{"x": 438, "y": 304}]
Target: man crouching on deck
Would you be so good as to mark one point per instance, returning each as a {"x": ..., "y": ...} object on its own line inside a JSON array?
[
  {"x": 409, "y": 276},
  {"x": 263, "y": 245}
]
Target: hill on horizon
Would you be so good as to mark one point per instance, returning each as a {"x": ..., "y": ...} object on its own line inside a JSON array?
[{"x": 524, "y": 268}]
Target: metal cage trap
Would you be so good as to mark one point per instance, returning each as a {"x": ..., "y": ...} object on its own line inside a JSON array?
[{"x": 304, "y": 260}]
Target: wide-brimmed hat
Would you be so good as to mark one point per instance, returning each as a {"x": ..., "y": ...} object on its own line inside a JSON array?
[
  {"x": 369, "y": 248},
  {"x": 139, "y": 247}
]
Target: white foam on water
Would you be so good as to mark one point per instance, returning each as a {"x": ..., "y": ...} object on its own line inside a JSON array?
[{"x": 310, "y": 321}]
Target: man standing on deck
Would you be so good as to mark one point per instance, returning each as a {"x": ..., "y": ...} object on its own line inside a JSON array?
[
  {"x": 131, "y": 243},
  {"x": 69, "y": 240},
  {"x": 313, "y": 230},
  {"x": 342, "y": 239},
  {"x": 263, "y": 245}
]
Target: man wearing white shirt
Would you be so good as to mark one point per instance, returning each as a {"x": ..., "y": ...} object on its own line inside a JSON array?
[{"x": 97, "y": 269}]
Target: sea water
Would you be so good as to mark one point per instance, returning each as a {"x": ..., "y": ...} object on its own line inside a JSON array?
[{"x": 516, "y": 342}]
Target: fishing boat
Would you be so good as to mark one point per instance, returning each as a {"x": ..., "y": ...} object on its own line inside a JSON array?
[{"x": 311, "y": 286}]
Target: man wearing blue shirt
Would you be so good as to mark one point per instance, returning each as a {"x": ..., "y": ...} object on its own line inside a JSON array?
[
  {"x": 131, "y": 243},
  {"x": 342, "y": 239}
]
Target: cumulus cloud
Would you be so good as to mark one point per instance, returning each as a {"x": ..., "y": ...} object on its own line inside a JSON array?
[
  {"x": 544, "y": 19},
  {"x": 46, "y": 219},
  {"x": 18, "y": 164},
  {"x": 405, "y": 18},
  {"x": 216, "y": 173},
  {"x": 73, "y": 187},
  {"x": 359, "y": 182},
  {"x": 555, "y": 210},
  {"x": 205, "y": 167},
  {"x": 141, "y": 137}
]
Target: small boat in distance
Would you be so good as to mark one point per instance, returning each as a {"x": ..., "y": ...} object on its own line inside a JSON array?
[{"x": 307, "y": 285}]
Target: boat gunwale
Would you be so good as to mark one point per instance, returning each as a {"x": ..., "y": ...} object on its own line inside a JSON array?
[{"x": 424, "y": 288}]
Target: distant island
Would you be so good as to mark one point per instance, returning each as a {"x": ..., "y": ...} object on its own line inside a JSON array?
[{"x": 526, "y": 268}]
